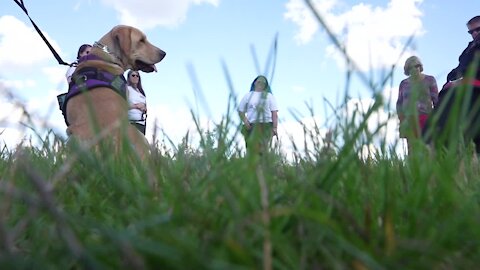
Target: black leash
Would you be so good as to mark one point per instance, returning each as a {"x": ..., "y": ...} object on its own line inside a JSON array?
[{"x": 59, "y": 59}]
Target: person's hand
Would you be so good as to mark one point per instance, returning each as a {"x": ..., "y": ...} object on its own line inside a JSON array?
[
  {"x": 452, "y": 84},
  {"x": 247, "y": 124},
  {"x": 447, "y": 85},
  {"x": 274, "y": 131},
  {"x": 140, "y": 106}
]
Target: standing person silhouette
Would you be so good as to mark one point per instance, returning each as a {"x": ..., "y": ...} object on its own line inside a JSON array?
[
  {"x": 82, "y": 51},
  {"x": 417, "y": 95},
  {"x": 463, "y": 88},
  {"x": 468, "y": 55},
  {"x": 258, "y": 111},
  {"x": 137, "y": 101}
]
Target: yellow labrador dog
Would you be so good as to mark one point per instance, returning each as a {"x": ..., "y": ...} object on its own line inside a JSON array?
[{"x": 96, "y": 107}]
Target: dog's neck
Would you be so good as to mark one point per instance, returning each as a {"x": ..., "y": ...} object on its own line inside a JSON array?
[
  {"x": 106, "y": 50},
  {"x": 103, "y": 53}
]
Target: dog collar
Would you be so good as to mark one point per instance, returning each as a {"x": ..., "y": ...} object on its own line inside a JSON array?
[
  {"x": 106, "y": 50},
  {"x": 102, "y": 47},
  {"x": 88, "y": 57}
]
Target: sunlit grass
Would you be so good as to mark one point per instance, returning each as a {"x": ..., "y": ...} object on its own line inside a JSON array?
[
  {"x": 200, "y": 208},
  {"x": 326, "y": 205}
]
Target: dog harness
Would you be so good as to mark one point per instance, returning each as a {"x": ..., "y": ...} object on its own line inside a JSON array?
[{"x": 89, "y": 78}]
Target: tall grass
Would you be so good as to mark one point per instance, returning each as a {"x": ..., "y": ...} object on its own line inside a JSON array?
[{"x": 211, "y": 207}]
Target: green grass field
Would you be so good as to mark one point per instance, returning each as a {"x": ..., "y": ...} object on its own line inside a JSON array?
[
  {"x": 206, "y": 209},
  {"x": 211, "y": 207}
]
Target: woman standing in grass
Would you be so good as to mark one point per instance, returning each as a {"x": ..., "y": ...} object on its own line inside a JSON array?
[
  {"x": 259, "y": 113},
  {"x": 137, "y": 102},
  {"x": 82, "y": 51},
  {"x": 417, "y": 95}
]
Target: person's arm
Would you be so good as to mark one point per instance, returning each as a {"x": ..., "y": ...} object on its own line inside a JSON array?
[
  {"x": 141, "y": 106},
  {"x": 464, "y": 60},
  {"x": 244, "y": 119},
  {"x": 275, "y": 121},
  {"x": 137, "y": 106},
  {"x": 434, "y": 91},
  {"x": 242, "y": 108},
  {"x": 69, "y": 73},
  {"x": 272, "y": 103},
  {"x": 131, "y": 105},
  {"x": 400, "y": 100}
]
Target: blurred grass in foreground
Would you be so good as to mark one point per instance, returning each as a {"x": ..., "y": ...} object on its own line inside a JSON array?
[
  {"x": 199, "y": 209},
  {"x": 209, "y": 207}
]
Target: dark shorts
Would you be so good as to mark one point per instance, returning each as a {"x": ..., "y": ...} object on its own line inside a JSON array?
[
  {"x": 261, "y": 132},
  {"x": 409, "y": 126},
  {"x": 140, "y": 127}
]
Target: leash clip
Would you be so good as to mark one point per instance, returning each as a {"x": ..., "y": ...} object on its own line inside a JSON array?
[{"x": 81, "y": 81}]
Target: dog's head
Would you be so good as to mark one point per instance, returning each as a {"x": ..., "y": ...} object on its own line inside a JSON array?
[{"x": 131, "y": 47}]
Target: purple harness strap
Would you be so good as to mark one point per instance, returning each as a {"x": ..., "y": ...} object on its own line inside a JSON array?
[{"x": 90, "y": 78}]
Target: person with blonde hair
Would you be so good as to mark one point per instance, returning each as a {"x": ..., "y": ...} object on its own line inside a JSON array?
[{"x": 417, "y": 95}]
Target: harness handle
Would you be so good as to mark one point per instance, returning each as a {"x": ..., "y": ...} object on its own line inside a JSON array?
[{"x": 55, "y": 54}]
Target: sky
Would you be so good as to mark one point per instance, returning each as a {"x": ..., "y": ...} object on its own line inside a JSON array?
[{"x": 211, "y": 48}]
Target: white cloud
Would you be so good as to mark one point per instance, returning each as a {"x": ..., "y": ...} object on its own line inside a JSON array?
[
  {"x": 11, "y": 133},
  {"x": 24, "y": 120},
  {"x": 152, "y": 13},
  {"x": 300, "y": 133},
  {"x": 56, "y": 75},
  {"x": 10, "y": 137},
  {"x": 17, "y": 84},
  {"x": 175, "y": 123},
  {"x": 21, "y": 48},
  {"x": 380, "y": 122},
  {"x": 373, "y": 36},
  {"x": 298, "y": 13},
  {"x": 390, "y": 94},
  {"x": 309, "y": 131},
  {"x": 11, "y": 112},
  {"x": 298, "y": 89}
]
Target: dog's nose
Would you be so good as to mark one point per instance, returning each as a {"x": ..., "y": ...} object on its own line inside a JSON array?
[{"x": 161, "y": 54}]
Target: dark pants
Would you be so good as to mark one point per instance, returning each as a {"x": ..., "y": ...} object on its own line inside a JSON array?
[
  {"x": 411, "y": 128},
  {"x": 258, "y": 137},
  {"x": 140, "y": 127}
]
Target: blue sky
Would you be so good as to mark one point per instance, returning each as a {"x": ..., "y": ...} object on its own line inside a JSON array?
[{"x": 200, "y": 35}]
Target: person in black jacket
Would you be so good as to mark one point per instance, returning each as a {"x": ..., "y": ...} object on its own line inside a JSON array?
[
  {"x": 468, "y": 55},
  {"x": 457, "y": 113}
]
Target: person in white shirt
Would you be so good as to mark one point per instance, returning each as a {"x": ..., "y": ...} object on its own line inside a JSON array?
[
  {"x": 258, "y": 111},
  {"x": 82, "y": 51},
  {"x": 137, "y": 101}
]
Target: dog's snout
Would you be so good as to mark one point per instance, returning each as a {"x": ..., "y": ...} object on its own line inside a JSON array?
[{"x": 161, "y": 54}]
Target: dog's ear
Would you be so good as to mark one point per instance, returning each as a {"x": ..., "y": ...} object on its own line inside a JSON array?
[{"x": 123, "y": 40}]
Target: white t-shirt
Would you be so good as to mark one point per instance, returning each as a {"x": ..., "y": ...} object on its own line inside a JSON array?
[
  {"x": 134, "y": 97},
  {"x": 258, "y": 106},
  {"x": 70, "y": 71}
]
